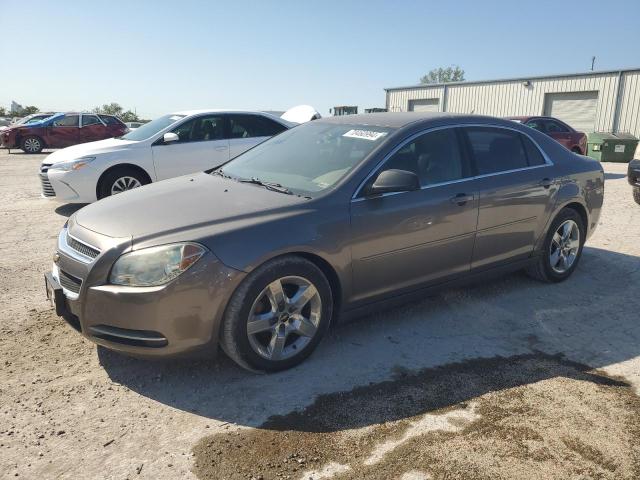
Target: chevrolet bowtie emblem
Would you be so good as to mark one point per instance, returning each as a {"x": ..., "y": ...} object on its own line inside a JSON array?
[{"x": 56, "y": 257}]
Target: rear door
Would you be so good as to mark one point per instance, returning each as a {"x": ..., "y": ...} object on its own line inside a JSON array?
[
  {"x": 248, "y": 130},
  {"x": 64, "y": 131},
  {"x": 405, "y": 239},
  {"x": 202, "y": 144},
  {"x": 92, "y": 128},
  {"x": 516, "y": 187}
]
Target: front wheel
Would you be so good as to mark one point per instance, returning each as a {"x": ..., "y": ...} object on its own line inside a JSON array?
[
  {"x": 562, "y": 248},
  {"x": 32, "y": 144},
  {"x": 120, "y": 180},
  {"x": 278, "y": 315}
]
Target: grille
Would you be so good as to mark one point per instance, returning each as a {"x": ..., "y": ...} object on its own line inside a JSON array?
[
  {"x": 70, "y": 282},
  {"x": 47, "y": 189},
  {"x": 82, "y": 248}
]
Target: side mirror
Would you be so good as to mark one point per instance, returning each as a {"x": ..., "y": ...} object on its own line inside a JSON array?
[
  {"x": 394, "y": 181},
  {"x": 170, "y": 137}
]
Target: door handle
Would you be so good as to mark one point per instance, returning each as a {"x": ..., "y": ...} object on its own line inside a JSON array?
[
  {"x": 545, "y": 182},
  {"x": 461, "y": 199}
]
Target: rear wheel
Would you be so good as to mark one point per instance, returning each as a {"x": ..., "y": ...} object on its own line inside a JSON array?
[
  {"x": 562, "y": 248},
  {"x": 636, "y": 194},
  {"x": 31, "y": 144},
  {"x": 278, "y": 315},
  {"x": 120, "y": 180}
]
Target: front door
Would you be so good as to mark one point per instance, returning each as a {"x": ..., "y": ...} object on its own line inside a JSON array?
[
  {"x": 516, "y": 190},
  {"x": 202, "y": 145},
  {"x": 407, "y": 239},
  {"x": 64, "y": 131}
]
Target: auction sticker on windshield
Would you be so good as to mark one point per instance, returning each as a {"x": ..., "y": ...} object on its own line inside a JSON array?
[{"x": 365, "y": 134}]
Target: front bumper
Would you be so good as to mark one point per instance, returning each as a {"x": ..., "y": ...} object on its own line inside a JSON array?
[
  {"x": 180, "y": 317},
  {"x": 67, "y": 187}
]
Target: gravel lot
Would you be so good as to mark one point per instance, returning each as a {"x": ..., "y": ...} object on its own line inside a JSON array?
[{"x": 508, "y": 379}]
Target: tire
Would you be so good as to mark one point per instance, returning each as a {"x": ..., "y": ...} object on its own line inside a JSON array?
[
  {"x": 31, "y": 144},
  {"x": 636, "y": 194},
  {"x": 254, "y": 351},
  {"x": 119, "y": 180},
  {"x": 544, "y": 269}
]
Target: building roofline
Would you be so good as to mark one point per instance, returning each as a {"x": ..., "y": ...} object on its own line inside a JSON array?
[{"x": 514, "y": 79}]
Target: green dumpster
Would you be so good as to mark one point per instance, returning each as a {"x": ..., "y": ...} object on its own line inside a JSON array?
[{"x": 611, "y": 147}]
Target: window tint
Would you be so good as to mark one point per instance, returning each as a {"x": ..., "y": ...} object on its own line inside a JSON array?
[
  {"x": 496, "y": 150},
  {"x": 555, "y": 127},
  {"x": 247, "y": 126},
  {"x": 109, "y": 120},
  {"x": 90, "y": 120},
  {"x": 534, "y": 157},
  {"x": 208, "y": 127},
  {"x": 536, "y": 125},
  {"x": 67, "y": 121},
  {"x": 435, "y": 157}
]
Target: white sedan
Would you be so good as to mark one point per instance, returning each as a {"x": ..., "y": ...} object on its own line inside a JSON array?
[{"x": 176, "y": 144}]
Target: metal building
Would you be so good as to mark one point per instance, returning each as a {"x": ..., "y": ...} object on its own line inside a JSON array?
[{"x": 606, "y": 101}]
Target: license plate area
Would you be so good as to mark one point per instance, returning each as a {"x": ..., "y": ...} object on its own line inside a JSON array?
[{"x": 55, "y": 295}]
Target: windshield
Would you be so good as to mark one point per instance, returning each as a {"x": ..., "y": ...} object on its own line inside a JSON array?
[
  {"x": 150, "y": 129},
  {"x": 309, "y": 158}
]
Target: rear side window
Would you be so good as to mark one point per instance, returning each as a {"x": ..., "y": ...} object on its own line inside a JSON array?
[
  {"x": 247, "y": 126},
  {"x": 109, "y": 120},
  {"x": 90, "y": 120},
  {"x": 534, "y": 157},
  {"x": 496, "y": 150}
]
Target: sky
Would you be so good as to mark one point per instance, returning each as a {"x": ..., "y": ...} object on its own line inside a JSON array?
[{"x": 159, "y": 56}]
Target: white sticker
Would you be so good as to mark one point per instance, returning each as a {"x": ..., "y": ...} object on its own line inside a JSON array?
[
  {"x": 619, "y": 148},
  {"x": 365, "y": 134}
]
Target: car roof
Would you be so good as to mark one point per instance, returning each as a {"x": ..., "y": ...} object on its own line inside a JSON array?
[
  {"x": 221, "y": 110},
  {"x": 403, "y": 119}
]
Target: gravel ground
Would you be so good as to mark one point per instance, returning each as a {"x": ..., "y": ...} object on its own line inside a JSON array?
[{"x": 508, "y": 379}]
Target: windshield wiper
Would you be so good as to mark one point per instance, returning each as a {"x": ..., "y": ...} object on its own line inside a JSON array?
[{"x": 276, "y": 187}]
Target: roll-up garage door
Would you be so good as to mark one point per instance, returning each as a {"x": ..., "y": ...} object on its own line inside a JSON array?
[
  {"x": 424, "y": 105},
  {"x": 578, "y": 109}
]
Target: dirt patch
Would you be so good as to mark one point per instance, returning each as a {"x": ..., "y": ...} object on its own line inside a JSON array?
[{"x": 496, "y": 418}]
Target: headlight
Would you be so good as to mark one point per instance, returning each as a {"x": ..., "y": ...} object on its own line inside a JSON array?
[
  {"x": 156, "y": 265},
  {"x": 72, "y": 165}
]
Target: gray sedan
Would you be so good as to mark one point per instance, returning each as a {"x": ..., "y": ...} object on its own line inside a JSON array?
[{"x": 327, "y": 220}]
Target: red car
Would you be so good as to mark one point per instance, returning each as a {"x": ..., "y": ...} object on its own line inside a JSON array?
[
  {"x": 558, "y": 130},
  {"x": 62, "y": 130}
]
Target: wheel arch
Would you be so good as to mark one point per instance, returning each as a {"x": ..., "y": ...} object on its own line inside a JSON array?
[
  {"x": 133, "y": 166},
  {"x": 580, "y": 210}
]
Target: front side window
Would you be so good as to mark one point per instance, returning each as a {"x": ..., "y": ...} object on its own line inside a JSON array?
[
  {"x": 67, "y": 121},
  {"x": 555, "y": 127},
  {"x": 208, "y": 127},
  {"x": 249, "y": 126},
  {"x": 536, "y": 125},
  {"x": 434, "y": 157},
  {"x": 309, "y": 158},
  {"x": 496, "y": 150},
  {"x": 90, "y": 120}
]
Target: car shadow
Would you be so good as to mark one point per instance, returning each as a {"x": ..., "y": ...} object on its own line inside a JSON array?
[
  {"x": 69, "y": 209},
  {"x": 585, "y": 319},
  {"x": 614, "y": 176}
]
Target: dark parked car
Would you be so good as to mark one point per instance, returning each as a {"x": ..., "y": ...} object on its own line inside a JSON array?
[
  {"x": 633, "y": 175},
  {"x": 558, "y": 130},
  {"x": 62, "y": 130},
  {"x": 329, "y": 219}
]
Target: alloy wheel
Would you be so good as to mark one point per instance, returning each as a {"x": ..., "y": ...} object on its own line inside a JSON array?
[
  {"x": 284, "y": 318},
  {"x": 32, "y": 145},
  {"x": 565, "y": 245},
  {"x": 123, "y": 184}
]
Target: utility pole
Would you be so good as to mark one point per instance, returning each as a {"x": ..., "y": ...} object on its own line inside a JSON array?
[{"x": 593, "y": 61}]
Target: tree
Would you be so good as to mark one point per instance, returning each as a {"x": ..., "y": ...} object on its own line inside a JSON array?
[
  {"x": 29, "y": 110},
  {"x": 115, "y": 109},
  {"x": 444, "y": 75},
  {"x": 3, "y": 111}
]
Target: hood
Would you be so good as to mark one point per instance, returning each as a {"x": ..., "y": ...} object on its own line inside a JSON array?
[
  {"x": 198, "y": 206},
  {"x": 90, "y": 148}
]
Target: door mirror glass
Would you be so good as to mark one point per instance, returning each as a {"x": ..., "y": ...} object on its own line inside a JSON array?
[
  {"x": 170, "y": 137},
  {"x": 394, "y": 180}
]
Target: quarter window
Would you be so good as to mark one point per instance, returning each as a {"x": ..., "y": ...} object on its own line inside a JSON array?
[
  {"x": 496, "y": 150},
  {"x": 248, "y": 126},
  {"x": 109, "y": 120},
  {"x": 205, "y": 128},
  {"x": 67, "y": 121},
  {"x": 534, "y": 157},
  {"x": 435, "y": 157},
  {"x": 90, "y": 120}
]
